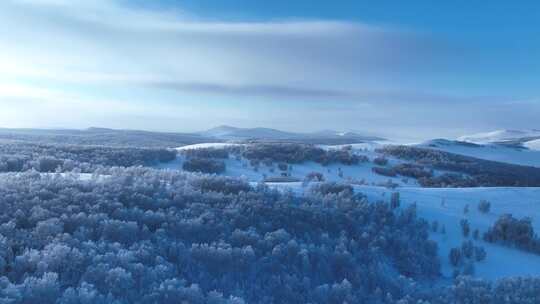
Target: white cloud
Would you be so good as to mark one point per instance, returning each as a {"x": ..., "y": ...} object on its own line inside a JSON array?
[{"x": 103, "y": 41}]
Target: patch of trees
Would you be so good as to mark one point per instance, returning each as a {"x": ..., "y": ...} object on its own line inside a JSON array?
[
  {"x": 207, "y": 153},
  {"x": 281, "y": 179},
  {"x": 390, "y": 172},
  {"x": 151, "y": 236},
  {"x": 478, "y": 172},
  {"x": 466, "y": 289},
  {"x": 204, "y": 165},
  {"x": 380, "y": 161},
  {"x": 314, "y": 177},
  {"x": 332, "y": 188},
  {"x": 510, "y": 231},
  {"x": 484, "y": 206},
  {"x": 103, "y": 137},
  {"x": 413, "y": 170},
  {"x": 19, "y": 156},
  {"x": 453, "y": 180},
  {"x": 463, "y": 258},
  {"x": 298, "y": 153}
]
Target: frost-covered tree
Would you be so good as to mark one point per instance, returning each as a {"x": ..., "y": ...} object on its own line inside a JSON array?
[
  {"x": 465, "y": 227},
  {"x": 484, "y": 206}
]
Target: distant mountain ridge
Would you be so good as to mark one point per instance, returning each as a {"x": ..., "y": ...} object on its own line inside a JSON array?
[
  {"x": 234, "y": 133},
  {"x": 140, "y": 138}
]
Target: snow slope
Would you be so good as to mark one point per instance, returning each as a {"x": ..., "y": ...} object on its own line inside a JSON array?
[
  {"x": 500, "y": 153},
  {"x": 501, "y": 261},
  {"x": 360, "y": 173},
  {"x": 533, "y": 145},
  {"x": 499, "y": 136}
]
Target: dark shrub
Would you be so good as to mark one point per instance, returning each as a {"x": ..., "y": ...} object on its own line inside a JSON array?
[
  {"x": 314, "y": 177},
  {"x": 465, "y": 227},
  {"x": 484, "y": 206}
]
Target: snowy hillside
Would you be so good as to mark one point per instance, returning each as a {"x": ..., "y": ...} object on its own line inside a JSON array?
[
  {"x": 230, "y": 133},
  {"x": 533, "y": 144},
  {"x": 500, "y": 136},
  {"x": 494, "y": 152},
  {"x": 446, "y": 207}
]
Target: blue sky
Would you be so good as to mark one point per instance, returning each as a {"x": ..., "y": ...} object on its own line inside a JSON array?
[{"x": 414, "y": 69}]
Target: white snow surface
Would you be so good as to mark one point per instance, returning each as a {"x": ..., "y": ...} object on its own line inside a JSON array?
[
  {"x": 533, "y": 145},
  {"x": 360, "y": 173},
  {"x": 499, "y": 136}
]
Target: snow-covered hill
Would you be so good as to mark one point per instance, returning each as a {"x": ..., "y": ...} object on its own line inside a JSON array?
[
  {"x": 240, "y": 134},
  {"x": 533, "y": 145},
  {"x": 501, "y": 136},
  {"x": 494, "y": 152},
  {"x": 446, "y": 206}
]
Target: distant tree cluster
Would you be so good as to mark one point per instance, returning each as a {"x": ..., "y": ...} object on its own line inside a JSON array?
[
  {"x": 384, "y": 171},
  {"x": 413, "y": 170},
  {"x": 380, "y": 161},
  {"x": 464, "y": 257},
  {"x": 298, "y": 153},
  {"x": 20, "y": 156},
  {"x": 468, "y": 171},
  {"x": 314, "y": 177},
  {"x": 466, "y": 289},
  {"x": 141, "y": 235},
  {"x": 207, "y": 153},
  {"x": 445, "y": 180},
  {"x": 510, "y": 231},
  {"x": 204, "y": 165},
  {"x": 332, "y": 188},
  {"x": 103, "y": 137}
]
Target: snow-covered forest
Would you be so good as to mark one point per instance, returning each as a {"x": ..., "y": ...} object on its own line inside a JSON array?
[
  {"x": 151, "y": 236},
  {"x": 99, "y": 224},
  {"x": 269, "y": 152}
]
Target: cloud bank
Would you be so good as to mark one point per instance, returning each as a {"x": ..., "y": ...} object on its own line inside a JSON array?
[{"x": 103, "y": 41}]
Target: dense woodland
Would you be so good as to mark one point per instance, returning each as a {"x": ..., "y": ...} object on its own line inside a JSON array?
[
  {"x": 23, "y": 156},
  {"x": 133, "y": 234},
  {"x": 297, "y": 153},
  {"x": 103, "y": 136},
  {"x": 141, "y": 235}
]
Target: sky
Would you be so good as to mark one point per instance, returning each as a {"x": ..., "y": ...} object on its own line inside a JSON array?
[{"x": 409, "y": 69}]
